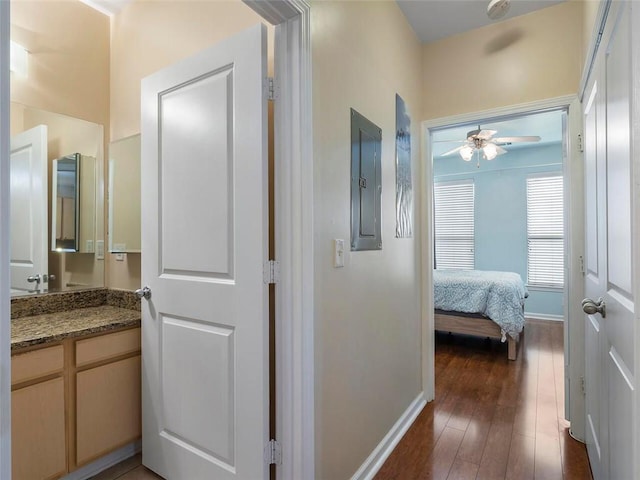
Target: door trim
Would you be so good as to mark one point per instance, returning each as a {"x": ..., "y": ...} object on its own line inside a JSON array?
[
  {"x": 574, "y": 330},
  {"x": 5, "y": 287},
  {"x": 294, "y": 235}
]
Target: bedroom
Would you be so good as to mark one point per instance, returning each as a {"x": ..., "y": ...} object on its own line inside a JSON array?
[{"x": 502, "y": 213}]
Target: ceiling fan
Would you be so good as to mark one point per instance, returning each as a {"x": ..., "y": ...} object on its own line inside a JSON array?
[{"x": 483, "y": 141}]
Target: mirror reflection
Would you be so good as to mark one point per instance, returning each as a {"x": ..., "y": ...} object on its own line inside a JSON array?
[
  {"x": 65, "y": 203},
  {"x": 124, "y": 195},
  {"x": 62, "y": 155}
]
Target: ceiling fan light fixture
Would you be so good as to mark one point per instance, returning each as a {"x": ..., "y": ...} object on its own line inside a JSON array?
[
  {"x": 466, "y": 153},
  {"x": 490, "y": 151},
  {"x": 498, "y": 9}
]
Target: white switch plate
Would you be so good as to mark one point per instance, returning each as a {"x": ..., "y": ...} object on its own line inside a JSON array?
[
  {"x": 100, "y": 249},
  {"x": 120, "y": 257},
  {"x": 338, "y": 253}
]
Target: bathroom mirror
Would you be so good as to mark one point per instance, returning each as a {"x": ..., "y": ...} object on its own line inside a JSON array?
[
  {"x": 124, "y": 195},
  {"x": 73, "y": 204},
  {"x": 71, "y": 233},
  {"x": 65, "y": 203}
]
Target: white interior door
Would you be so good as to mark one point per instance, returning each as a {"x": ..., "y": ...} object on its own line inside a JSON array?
[
  {"x": 29, "y": 208},
  {"x": 610, "y": 348},
  {"x": 204, "y": 244}
]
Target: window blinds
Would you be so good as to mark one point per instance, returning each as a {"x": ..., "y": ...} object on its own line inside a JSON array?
[
  {"x": 454, "y": 225},
  {"x": 545, "y": 231}
]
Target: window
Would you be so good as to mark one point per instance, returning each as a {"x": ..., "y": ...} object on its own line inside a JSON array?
[
  {"x": 454, "y": 225},
  {"x": 545, "y": 232}
]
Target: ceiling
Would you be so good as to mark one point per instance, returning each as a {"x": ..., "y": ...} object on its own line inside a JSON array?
[
  {"x": 436, "y": 19},
  {"x": 547, "y": 125}
]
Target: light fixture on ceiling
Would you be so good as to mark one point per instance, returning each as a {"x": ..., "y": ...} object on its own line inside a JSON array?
[
  {"x": 18, "y": 59},
  {"x": 482, "y": 141},
  {"x": 498, "y": 9}
]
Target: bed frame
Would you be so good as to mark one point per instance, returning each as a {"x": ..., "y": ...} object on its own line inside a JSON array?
[{"x": 470, "y": 324}]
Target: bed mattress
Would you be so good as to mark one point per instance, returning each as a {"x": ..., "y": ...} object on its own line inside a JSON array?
[{"x": 497, "y": 295}]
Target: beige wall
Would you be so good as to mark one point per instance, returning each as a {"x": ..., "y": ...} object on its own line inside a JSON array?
[
  {"x": 68, "y": 74},
  {"x": 367, "y": 313},
  {"x": 147, "y": 36},
  {"x": 68, "y": 44},
  {"x": 532, "y": 57}
]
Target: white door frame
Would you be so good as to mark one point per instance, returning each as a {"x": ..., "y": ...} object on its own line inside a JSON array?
[
  {"x": 294, "y": 234},
  {"x": 5, "y": 285},
  {"x": 574, "y": 251}
]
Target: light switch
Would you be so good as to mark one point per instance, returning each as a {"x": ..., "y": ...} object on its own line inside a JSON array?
[
  {"x": 99, "y": 249},
  {"x": 338, "y": 253}
]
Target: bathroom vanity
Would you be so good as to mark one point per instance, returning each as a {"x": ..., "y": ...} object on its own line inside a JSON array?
[{"x": 75, "y": 380}]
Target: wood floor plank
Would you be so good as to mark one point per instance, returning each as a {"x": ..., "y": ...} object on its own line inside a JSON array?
[
  {"x": 496, "y": 451},
  {"x": 461, "y": 470},
  {"x": 520, "y": 465},
  {"x": 548, "y": 461},
  {"x": 493, "y": 418},
  {"x": 443, "y": 456}
]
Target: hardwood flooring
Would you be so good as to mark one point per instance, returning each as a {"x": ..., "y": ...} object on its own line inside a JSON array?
[
  {"x": 130, "y": 469},
  {"x": 493, "y": 418}
]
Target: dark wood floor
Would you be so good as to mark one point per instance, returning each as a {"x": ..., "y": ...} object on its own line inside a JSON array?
[{"x": 492, "y": 418}]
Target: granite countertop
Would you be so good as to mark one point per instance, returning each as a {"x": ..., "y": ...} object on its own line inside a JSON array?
[{"x": 54, "y": 327}]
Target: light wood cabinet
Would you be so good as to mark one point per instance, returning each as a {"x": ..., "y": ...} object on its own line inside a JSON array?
[
  {"x": 38, "y": 414},
  {"x": 74, "y": 402},
  {"x": 107, "y": 408}
]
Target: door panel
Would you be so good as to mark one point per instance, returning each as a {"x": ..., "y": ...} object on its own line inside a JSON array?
[
  {"x": 609, "y": 340},
  {"x": 29, "y": 207},
  {"x": 205, "y": 239}
]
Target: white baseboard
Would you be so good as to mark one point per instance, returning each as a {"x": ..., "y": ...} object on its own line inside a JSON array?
[
  {"x": 544, "y": 316},
  {"x": 380, "y": 454},
  {"x": 105, "y": 462}
]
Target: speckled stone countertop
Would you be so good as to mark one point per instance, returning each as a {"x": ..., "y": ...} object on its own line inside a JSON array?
[{"x": 52, "y": 318}]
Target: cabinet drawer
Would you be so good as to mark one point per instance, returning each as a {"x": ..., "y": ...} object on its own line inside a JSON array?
[
  {"x": 108, "y": 408},
  {"x": 107, "y": 346},
  {"x": 36, "y": 364}
]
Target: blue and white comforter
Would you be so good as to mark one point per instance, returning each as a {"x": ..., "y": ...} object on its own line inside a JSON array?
[{"x": 497, "y": 295}]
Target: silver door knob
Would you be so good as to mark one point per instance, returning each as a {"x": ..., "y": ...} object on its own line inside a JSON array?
[
  {"x": 590, "y": 307},
  {"x": 144, "y": 292}
]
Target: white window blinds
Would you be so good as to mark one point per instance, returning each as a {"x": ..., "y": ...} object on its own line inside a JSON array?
[
  {"x": 454, "y": 225},
  {"x": 545, "y": 231}
]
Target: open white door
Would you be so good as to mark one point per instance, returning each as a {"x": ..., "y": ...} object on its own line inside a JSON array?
[
  {"x": 204, "y": 242},
  {"x": 609, "y": 201},
  {"x": 29, "y": 209}
]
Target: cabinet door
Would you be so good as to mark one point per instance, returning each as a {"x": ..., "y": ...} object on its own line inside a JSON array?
[
  {"x": 38, "y": 431},
  {"x": 107, "y": 408}
]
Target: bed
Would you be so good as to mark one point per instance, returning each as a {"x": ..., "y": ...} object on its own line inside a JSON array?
[{"x": 483, "y": 303}]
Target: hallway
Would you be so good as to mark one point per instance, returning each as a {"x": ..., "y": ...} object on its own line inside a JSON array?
[{"x": 492, "y": 418}]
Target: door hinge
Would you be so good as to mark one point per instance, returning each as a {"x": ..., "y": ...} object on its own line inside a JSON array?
[
  {"x": 580, "y": 147},
  {"x": 581, "y": 259},
  {"x": 273, "y": 453},
  {"x": 583, "y": 386},
  {"x": 271, "y": 89},
  {"x": 271, "y": 271}
]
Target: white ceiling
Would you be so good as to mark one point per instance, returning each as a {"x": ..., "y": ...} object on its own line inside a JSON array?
[
  {"x": 436, "y": 19},
  {"x": 547, "y": 125}
]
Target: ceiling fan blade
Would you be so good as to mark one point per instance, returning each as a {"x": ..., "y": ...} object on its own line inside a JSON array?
[
  {"x": 500, "y": 150},
  {"x": 530, "y": 138},
  {"x": 449, "y": 141},
  {"x": 451, "y": 152},
  {"x": 486, "y": 134}
]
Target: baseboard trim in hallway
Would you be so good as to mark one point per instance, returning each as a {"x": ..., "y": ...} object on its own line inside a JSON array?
[{"x": 380, "y": 454}]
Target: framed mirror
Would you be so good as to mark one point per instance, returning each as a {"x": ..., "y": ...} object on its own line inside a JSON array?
[
  {"x": 73, "y": 204},
  {"x": 65, "y": 203},
  {"x": 71, "y": 230}
]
